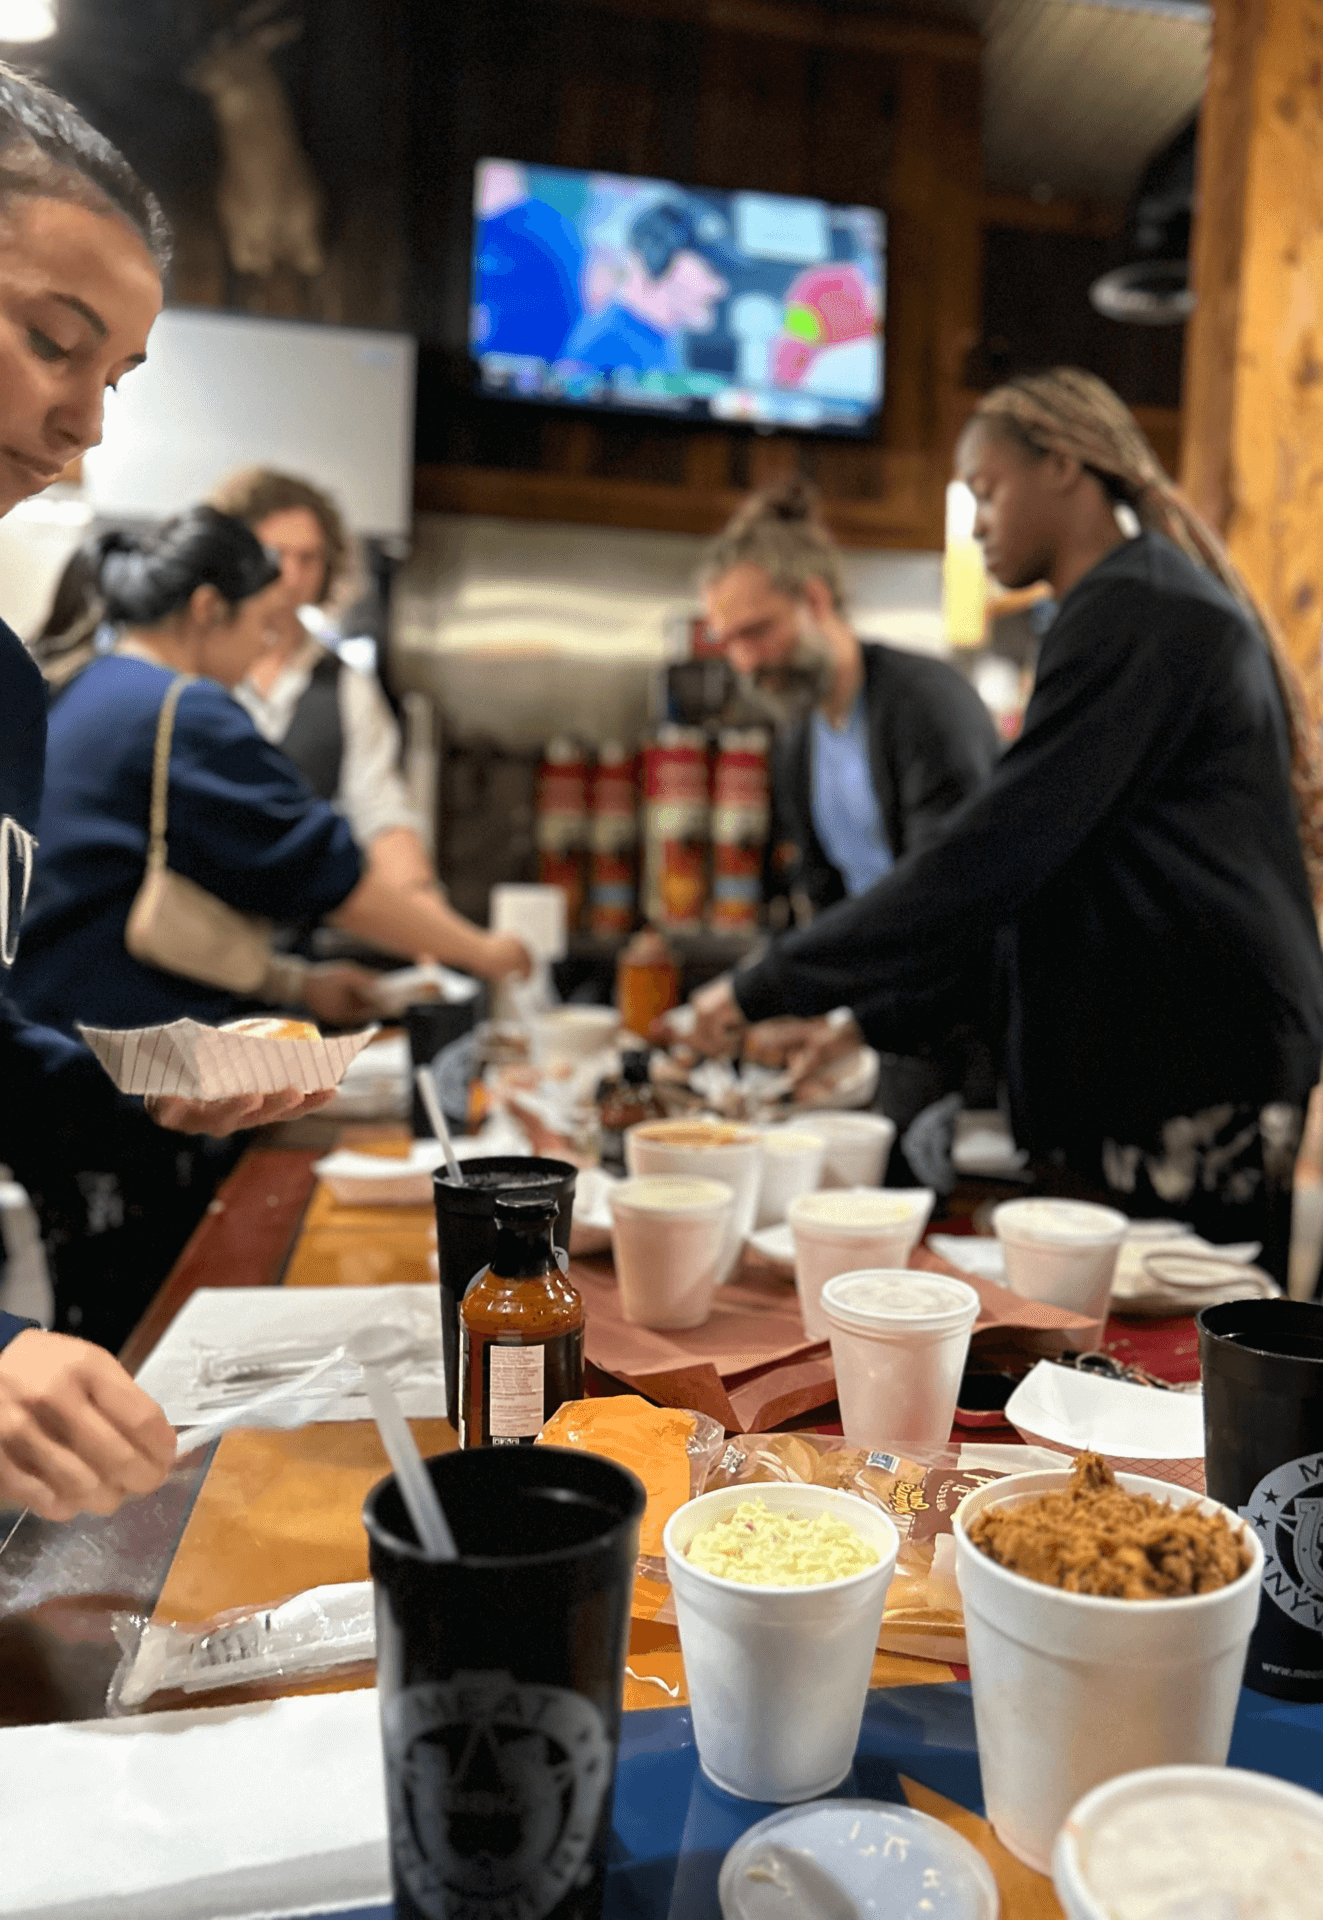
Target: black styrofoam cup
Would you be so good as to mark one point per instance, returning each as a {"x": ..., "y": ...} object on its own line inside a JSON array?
[
  {"x": 466, "y": 1232},
  {"x": 432, "y": 1026},
  {"x": 499, "y": 1676},
  {"x": 1262, "y": 1363}
]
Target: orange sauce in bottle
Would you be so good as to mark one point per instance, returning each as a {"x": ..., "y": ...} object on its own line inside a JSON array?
[{"x": 521, "y": 1333}]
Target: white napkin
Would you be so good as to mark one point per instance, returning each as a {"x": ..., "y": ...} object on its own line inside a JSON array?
[
  {"x": 212, "y": 1814},
  {"x": 235, "y": 1319},
  {"x": 1087, "y": 1411}
]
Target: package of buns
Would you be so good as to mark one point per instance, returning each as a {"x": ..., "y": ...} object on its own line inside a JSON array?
[
  {"x": 919, "y": 1492},
  {"x": 266, "y": 1054}
]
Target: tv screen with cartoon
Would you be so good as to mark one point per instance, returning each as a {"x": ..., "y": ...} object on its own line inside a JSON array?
[{"x": 595, "y": 290}]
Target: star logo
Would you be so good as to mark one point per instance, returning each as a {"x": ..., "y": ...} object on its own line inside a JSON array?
[
  {"x": 496, "y": 1794},
  {"x": 1292, "y": 1537}
]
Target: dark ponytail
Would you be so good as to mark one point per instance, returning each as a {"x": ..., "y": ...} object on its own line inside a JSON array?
[
  {"x": 143, "y": 579},
  {"x": 48, "y": 151}
]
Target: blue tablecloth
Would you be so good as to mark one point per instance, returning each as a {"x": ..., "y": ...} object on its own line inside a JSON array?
[{"x": 673, "y": 1827}]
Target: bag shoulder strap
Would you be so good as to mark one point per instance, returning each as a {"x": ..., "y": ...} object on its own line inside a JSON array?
[{"x": 165, "y": 727}]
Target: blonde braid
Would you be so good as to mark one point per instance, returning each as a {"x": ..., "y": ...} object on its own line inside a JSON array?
[{"x": 1076, "y": 414}]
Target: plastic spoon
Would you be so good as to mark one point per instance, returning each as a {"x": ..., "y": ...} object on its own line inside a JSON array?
[
  {"x": 427, "y": 1094},
  {"x": 374, "y": 1349}
]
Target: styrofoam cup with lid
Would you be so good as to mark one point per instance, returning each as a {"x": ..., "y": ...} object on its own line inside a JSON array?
[
  {"x": 778, "y": 1676},
  {"x": 1073, "y": 1689},
  {"x": 898, "y": 1343},
  {"x": 1061, "y": 1251},
  {"x": 792, "y": 1164},
  {"x": 858, "y": 1145},
  {"x": 854, "y": 1856},
  {"x": 841, "y": 1230},
  {"x": 1191, "y": 1843},
  {"x": 668, "y": 1236}
]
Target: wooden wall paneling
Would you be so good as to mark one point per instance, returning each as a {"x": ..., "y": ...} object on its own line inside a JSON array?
[
  {"x": 958, "y": 254},
  {"x": 808, "y": 25},
  {"x": 1254, "y": 439},
  {"x": 910, "y": 416},
  {"x": 753, "y": 127},
  {"x": 1212, "y": 337}
]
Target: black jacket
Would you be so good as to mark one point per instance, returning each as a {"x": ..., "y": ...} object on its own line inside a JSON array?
[
  {"x": 1137, "y": 850},
  {"x": 930, "y": 742}
]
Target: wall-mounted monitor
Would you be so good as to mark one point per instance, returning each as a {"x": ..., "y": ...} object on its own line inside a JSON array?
[
  {"x": 226, "y": 390},
  {"x": 640, "y": 296}
]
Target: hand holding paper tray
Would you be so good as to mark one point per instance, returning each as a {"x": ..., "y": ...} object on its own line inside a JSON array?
[{"x": 198, "y": 1062}]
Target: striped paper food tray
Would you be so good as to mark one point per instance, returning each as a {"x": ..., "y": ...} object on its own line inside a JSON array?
[{"x": 215, "y": 1063}]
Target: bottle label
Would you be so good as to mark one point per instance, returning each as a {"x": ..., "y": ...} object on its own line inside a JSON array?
[{"x": 517, "y": 1388}]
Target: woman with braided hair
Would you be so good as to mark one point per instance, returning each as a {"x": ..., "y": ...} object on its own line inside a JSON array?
[{"x": 1145, "y": 854}]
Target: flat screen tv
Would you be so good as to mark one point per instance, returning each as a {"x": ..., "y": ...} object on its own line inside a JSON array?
[{"x": 640, "y": 296}]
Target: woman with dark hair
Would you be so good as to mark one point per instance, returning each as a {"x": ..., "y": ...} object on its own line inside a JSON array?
[
  {"x": 1145, "y": 853},
  {"x": 192, "y": 600},
  {"x": 82, "y": 248}
]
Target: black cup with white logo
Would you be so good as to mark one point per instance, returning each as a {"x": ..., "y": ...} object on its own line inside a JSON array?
[
  {"x": 500, "y": 1676},
  {"x": 1262, "y": 1363}
]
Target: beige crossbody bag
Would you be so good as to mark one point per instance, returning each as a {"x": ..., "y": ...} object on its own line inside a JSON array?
[{"x": 176, "y": 924}]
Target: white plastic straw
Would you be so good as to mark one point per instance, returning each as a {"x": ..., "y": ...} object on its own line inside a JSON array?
[
  {"x": 416, "y": 1489},
  {"x": 427, "y": 1094}
]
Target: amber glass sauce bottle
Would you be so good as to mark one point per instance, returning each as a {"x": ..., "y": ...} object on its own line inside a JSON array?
[{"x": 520, "y": 1333}]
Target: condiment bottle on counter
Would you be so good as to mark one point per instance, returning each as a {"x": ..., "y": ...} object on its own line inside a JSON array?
[
  {"x": 647, "y": 981},
  {"x": 521, "y": 1332},
  {"x": 623, "y": 1103}
]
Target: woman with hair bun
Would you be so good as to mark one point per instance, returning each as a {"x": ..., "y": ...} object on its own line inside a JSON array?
[
  {"x": 191, "y": 599},
  {"x": 1146, "y": 854}
]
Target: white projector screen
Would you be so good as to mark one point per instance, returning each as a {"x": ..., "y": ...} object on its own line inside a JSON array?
[{"x": 224, "y": 390}]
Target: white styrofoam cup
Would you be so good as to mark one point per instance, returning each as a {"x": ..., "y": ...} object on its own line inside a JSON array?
[
  {"x": 734, "y": 1154},
  {"x": 899, "y": 1340},
  {"x": 857, "y": 1146},
  {"x": 842, "y": 1230},
  {"x": 668, "y": 1235},
  {"x": 1061, "y": 1251},
  {"x": 792, "y": 1164},
  {"x": 1175, "y": 1864},
  {"x": 1072, "y": 1689},
  {"x": 778, "y": 1675}
]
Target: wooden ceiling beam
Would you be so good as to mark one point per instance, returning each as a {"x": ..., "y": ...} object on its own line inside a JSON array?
[{"x": 809, "y": 26}]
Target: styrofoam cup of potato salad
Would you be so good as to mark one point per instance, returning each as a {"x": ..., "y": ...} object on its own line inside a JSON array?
[{"x": 779, "y": 1592}]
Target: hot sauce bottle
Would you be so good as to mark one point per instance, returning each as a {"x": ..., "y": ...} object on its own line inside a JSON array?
[{"x": 521, "y": 1332}]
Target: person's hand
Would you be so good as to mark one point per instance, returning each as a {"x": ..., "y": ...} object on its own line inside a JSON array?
[
  {"x": 341, "y": 994},
  {"x": 222, "y": 1117},
  {"x": 503, "y": 954},
  {"x": 719, "y": 1024},
  {"x": 76, "y": 1434},
  {"x": 818, "y": 1048}
]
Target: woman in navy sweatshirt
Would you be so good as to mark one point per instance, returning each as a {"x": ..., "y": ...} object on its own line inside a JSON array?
[{"x": 82, "y": 249}]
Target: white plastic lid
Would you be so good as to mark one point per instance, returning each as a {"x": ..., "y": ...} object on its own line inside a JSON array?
[
  {"x": 841, "y": 1859},
  {"x": 882, "y": 1300},
  {"x": 1188, "y": 1843},
  {"x": 859, "y": 1209},
  {"x": 1059, "y": 1222},
  {"x": 670, "y": 1193}
]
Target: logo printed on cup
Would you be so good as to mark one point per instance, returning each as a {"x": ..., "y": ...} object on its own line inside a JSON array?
[
  {"x": 500, "y": 1789},
  {"x": 1286, "y": 1511}
]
